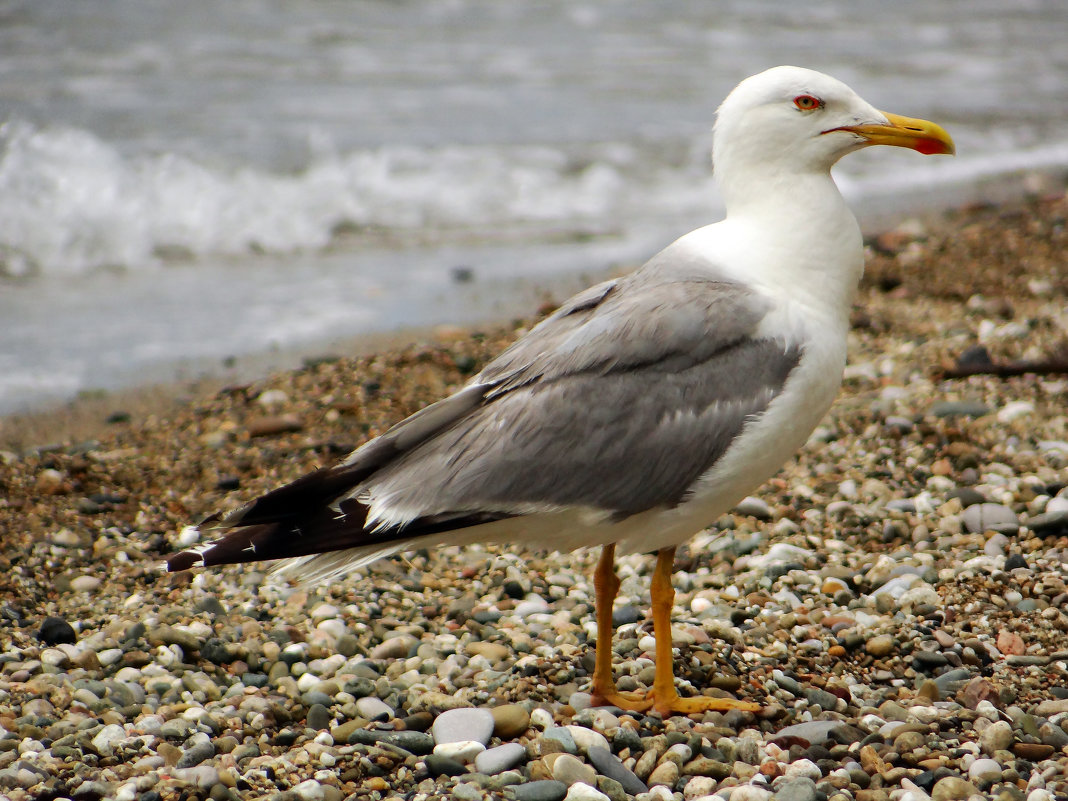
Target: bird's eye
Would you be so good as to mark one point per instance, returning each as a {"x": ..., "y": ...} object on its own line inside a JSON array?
[{"x": 808, "y": 102}]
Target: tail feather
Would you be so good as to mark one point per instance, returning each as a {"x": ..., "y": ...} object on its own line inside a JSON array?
[
  {"x": 292, "y": 501},
  {"x": 322, "y": 530}
]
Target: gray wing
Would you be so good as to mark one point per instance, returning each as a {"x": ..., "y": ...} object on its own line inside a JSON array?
[{"x": 619, "y": 401}]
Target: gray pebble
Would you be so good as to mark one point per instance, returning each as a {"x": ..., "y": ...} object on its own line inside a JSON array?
[
  {"x": 1049, "y": 522},
  {"x": 192, "y": 757},
  {"x": 499, "y": 759},
  {"x": 609, "y": 765},
  {"x": 414, "y": 742},
  {"x": 801, "y": 789},
  {"x": 754, "y": 507},
  {"x": 373, "y": 708},
  {"x": 465, "y": 723},
  {"x": 319, "y": 717},
  {"x": 546, "y": 790},
  {"x": 982, "y": 517},
  {"x": 963, "y": 408},
  {"x": 560, "y": 735}
]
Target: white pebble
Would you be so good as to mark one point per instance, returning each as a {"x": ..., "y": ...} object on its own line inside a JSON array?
[
  {"x": 463, "y": 751},
  {"x": 1015, "y": 410},
  {"x": 541, "y": 719},
  {"x": 189, "y": 535},
  {"x": 272, "y": 398},
  {"x": 580, "y": 791}
]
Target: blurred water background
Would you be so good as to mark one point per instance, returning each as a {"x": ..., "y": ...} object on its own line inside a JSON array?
[{"x": 187, "y": 185}]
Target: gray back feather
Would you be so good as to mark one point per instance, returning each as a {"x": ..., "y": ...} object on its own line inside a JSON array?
[{"x": 619, "y": 401}]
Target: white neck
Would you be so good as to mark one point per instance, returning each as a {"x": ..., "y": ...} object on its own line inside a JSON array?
[{"x": 797, "y": 235}]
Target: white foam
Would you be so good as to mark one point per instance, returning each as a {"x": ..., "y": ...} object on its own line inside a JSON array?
[{"x": 70, "y": 202}]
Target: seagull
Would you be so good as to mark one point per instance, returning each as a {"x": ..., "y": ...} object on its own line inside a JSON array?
[{"x": 644, "y": 407}]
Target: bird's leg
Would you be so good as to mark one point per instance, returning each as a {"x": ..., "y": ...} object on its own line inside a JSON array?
[
  {"x": 606, "y": 586},
  {"x": 665, "y": 698}
]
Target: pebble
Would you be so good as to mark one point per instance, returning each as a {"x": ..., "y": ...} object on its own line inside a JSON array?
[
  {"x": 464, "y": 751},
  {"x": 997, "y": 736},
  {"x": 544, "y": 790},
  {"x": 570, "y": 769},
  {"x": 463, "y": 724},
  {"x": 497, "y": 760},
  {"x": 990, "y": 517},
  {"x": 580, "y": 791},
  {"x": 509, "y": 720},
  {"x": 608, "y": 764},
  {"x": 373, "y": 708},
  {"x": 952, "y": 788},
  {"x": 984, "y": 770}
]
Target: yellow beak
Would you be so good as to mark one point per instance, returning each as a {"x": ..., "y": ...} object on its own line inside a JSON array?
[{"x": 926, "y": 137}]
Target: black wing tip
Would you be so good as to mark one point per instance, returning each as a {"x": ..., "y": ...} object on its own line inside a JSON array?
[{"x": 184, "y": 561}]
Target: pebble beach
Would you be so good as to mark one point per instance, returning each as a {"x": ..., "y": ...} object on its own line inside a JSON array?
[{"x": 895, "y": 599}]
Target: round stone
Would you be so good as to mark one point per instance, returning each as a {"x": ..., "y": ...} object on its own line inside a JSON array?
[
  {"x": 580, "y": 791},
  {"x": 989, "y": 516},
  {"x": 465, "y": 723},
  {"x": 984, "y": 770},
  {"x": 497, "y": 760},
  {"x": 996, "y": 737},
  {"x": 509, "y": 720},
  {"x": 952, "y": 788},
  {"x": 570, "y": 769}
]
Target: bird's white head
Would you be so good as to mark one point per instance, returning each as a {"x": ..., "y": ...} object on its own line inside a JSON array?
[{"x": 790, "y": 120}]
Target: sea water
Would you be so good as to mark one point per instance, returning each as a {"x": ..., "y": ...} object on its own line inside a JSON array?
[{"x": 182, "y": 183}]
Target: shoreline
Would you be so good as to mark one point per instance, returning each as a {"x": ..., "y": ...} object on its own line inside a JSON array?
[{"x": 892, "y": 253}]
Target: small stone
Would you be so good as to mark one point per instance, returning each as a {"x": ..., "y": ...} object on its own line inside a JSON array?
[
  {"x": 754, "y": 507},
  {"x": 443, "y": 766},
  {"x": 105, "y": 740},
  {"x": 393, "y": 648},
  {"x": 982, "y": 517},
  {"x": 85, "y": 583},
  {"x": 580, "y": 791},
  {"x": 952, "y": 788},
  {"x": 1015, "y": 561},
  {"x": 585, "y": 739},
  {"x": 666, "y": 773},
  {"x": 492, "y": 651},
  {"x": 996, "y": 737},
  {"x": 1033, "y": 752},
  {"x": 465, "y": 723},
  {"x": 509, "y": 720},
  {"x": 959, "y": 409},
  {"x": 984, "y": 770},
  {"x": 570, "y": 769},
  {"x": 749, "y": 792},
  {"x": 497, "y": 760},
  {"x": 557, "y": 739},
  {"x": 271, "y": 426},
  {"x": 191, "y": 757},
  {"x": 319, "y": 717},
  {"x": 1010, "y": 643},
  {"x": 544, "y": 790},
  {"x": 880, "y": 646},
  {"x": 608, "y": 764},
  {"x": 463, "y": 751},
  {"x": 799, "y": 789},
  {"x": 373, "y": 708},
  {"x": 56, "y": 630}
]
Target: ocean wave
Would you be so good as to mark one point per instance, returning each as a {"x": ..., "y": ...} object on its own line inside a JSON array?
[{"x": 71, "y": 202}]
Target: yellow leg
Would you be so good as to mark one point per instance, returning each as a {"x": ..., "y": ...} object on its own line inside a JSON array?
[
  {"x": 606, "y": 586},
  {"x": 664, "y": 696}
]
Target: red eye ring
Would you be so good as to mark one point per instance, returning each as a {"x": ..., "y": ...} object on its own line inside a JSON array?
[{"x": 808, "y": 102}]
